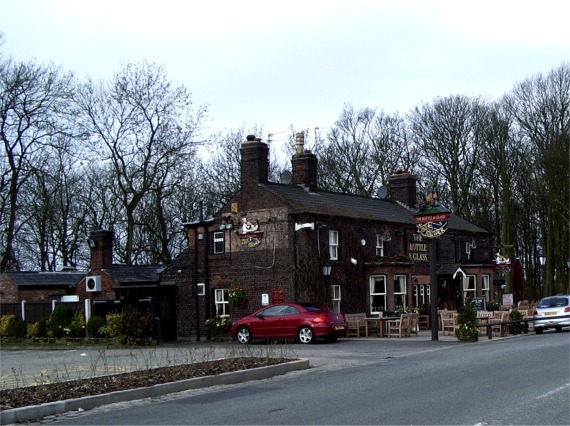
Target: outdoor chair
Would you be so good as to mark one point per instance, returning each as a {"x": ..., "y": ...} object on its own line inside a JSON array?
[
  {"x": 497, "y": 328},
  {"x": 414, "y": 323},
  {"x": 399, "y": 327},
  {"x": 373, "y": 327},
  {"x": 448, "y": 322}
]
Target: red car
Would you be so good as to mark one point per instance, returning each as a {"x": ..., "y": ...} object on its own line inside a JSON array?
[{"x": 295, "y": 320}]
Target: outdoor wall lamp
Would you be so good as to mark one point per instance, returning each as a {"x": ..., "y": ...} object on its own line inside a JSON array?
[
  {"x": 228, "y": 223},
  {"x": 542, "y": 259},
  {"x": 327, "y": 270},
  {"x": 92, "y": 243}
]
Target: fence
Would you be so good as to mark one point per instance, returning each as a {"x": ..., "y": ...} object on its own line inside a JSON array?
[{"x": 35, "y": 312}]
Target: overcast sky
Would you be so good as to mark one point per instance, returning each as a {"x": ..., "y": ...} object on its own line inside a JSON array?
[{"x": 279, "y": 63}]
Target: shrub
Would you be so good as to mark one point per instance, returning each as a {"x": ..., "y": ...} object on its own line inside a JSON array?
[
  {"x": 515, "y": 315},
  {"x": 94, "y": 326},
  {"x": 5, "y": 321},
  {"x": 425, "y": 309},
  {"x": 59, "y": 321},
  {"x": 137, "y": 324},
  {"x": 77, "y": 325},
  {"x": 467, "y": 321},
  {"x": 38, "y": 329},
  {"x": 113, "y": 325},
  {"x": 217, "y": 326},
  {"x": 13, "y": 327},
  {"x": 129, "y": 326}
]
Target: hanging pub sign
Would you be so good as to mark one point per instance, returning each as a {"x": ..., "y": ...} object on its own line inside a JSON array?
[
  {"x": 249, "y": 233},
  {"x": 431, "y": 218},
  {"x": 503, "y": 263}
]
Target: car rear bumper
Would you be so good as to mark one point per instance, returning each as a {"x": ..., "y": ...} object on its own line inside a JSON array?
[
  {"x": 554, "y": 322},
  {"x": 331, "y": 330}
]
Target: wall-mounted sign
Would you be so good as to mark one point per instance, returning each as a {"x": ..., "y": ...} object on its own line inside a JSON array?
[
  {"x": 478, "y": 303},
  {"x": 265, "y": 299},
  {"x": 249, "y": 234},
  {"x": 277, "y": 296},
  {"x": 251, "y": 240},
  {"x": 418, "y": 249}
]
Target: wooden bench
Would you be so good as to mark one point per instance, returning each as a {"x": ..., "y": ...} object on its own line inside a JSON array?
[{"x": 356, "y": 324}]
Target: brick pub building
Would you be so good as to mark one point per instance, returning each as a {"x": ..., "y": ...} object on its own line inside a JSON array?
[{"x": 291, "y": 241}]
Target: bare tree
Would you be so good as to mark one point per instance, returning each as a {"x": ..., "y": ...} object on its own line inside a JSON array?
[
  {"x": 140, "y": 125},
  {"x": 363, "y": 149},
  {"x": 450, "y": 132},
  {"x": 52, "y": 196},
  {"x": 541, "y": 108},
  {"x": 33, "y": 107}
]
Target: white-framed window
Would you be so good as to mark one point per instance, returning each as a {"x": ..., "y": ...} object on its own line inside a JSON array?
[
  {"x": 221, "y": 300},
  {"x": 420, "y": 294},
  {"x": 400, "y": 291},
  {"x": 379, "y": 244},
  {"x": 218, "y": 242},
  {"x": 469, "y": 287},
  {"x": 377, "y": 294},
  {"x": 336, "y": 297},
  {"x": 333, "y": 245},
  {"x": 485, "y": 287},
  {"x": 428, "y": 294},
  {"x": 201, "y": 289}
]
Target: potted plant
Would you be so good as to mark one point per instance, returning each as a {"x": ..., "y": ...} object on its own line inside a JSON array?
[
  {"x": 236, "y": 297},
  {"x": 467, "y": 330},
  {"x": 217, "y": 327},
  {"x": 517, "y": 325}
]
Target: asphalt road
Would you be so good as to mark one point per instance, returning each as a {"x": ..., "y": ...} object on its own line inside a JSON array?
[{"x": 518, "y": 380}]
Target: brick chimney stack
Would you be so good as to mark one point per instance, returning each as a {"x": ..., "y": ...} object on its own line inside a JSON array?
[
  {"x": 254, "y": 162},
  {"x": 101, "y": 245},
  {"x": 402, "y": 188},
  {"x": 304, "y": 165}
]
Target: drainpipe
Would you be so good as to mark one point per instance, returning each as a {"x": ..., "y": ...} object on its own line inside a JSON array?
[{"x": 196, "y": 285}]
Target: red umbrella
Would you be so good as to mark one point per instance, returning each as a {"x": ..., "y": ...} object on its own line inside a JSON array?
[{"x": 518, "y": 281}]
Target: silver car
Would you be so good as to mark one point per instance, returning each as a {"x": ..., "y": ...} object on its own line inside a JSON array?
[{"x": 552, "y": 312}]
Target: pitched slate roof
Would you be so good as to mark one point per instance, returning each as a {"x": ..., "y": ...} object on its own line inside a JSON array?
[
  {"x": 353, "y": 206},
  {"x": 131, "y": 274},
  {"x": 46, "y": 279}
]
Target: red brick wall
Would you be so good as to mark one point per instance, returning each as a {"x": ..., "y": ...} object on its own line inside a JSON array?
[{"x": 8, "y": 290}]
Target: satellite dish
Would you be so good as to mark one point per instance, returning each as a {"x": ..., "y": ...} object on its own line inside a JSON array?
[
  {"x": 285, "y": 177},
  {"x": 382, "y": 192}
]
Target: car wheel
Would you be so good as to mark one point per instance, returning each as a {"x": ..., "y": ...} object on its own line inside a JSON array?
[
  {"x": 305, "y": 335},
  {"x": 558, "y": 329},
  {"x": 538, "y": 330},
  {"x": 243, "y": 335}
]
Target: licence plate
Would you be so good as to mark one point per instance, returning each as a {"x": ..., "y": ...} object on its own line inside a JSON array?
[
  {"x": 550, "y": 313},
  {"x": 339, "y": 327}
]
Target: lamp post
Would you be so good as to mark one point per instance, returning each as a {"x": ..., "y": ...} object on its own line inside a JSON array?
[{"x": 542, "y": 259}]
